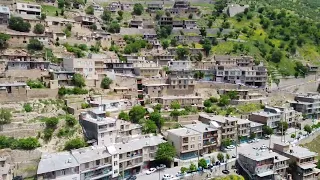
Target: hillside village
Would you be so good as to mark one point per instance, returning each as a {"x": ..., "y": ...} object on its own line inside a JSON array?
[{"x": 182, "y": 89}]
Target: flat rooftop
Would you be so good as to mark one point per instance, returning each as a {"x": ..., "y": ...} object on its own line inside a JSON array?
[
  {"x": 99, "y": 121},
  {"x": 183, "y": 132},
  {"x": 56, "y": 161},
  {"x": 218, "y": 118},
  {"x": 258, "y": 155},
  {"x": 243, "y": 121},
  {"x": 265, "y": 114},
  {"x": 201, "y": 127},
  {"x": 300, "y": 152},
  {"x": 91, "y": 153},
  {"x": 255, "y": 124},
  {"x": 180, "y": 97}
]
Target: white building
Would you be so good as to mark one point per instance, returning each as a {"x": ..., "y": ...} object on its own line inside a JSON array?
[{"x": 30, "y": 9}]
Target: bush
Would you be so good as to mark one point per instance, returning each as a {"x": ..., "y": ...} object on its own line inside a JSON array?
[
  {"x": 47, "y": 134},
  {"x": 63, "y": 91},
  {"x": 293, "y": 136},
  {"x": 70, "y": 120},
  {"x": 17, "y": 24},
  {"x": 35, "y": 84},
  {"x": 90, "y": 10},
  {"x": 5, "y": 116},
  {"x": 23, "y": 143},
  {"x": 38, "y": 29},
  {"x": 138, "y": 9},
  {"x": 114, "y": 27},
  {"x": 35, "y": 44},
  {"x": 27, "y": 107},
  {"x": 105, "y": 83},
  {"x": 51, "y": 122},
  {"x": 74, "y": 144},
  {"x": 78, "y": 80},
  {"x": 85, "y": 105}
]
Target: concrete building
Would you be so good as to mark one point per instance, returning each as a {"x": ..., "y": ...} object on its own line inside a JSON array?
[
  {"x": 181, "y": 82},
  {"x": 136, "y": 23},
  {"x": 227, "y": 125},
  {"x": 86, "y": 20},
  {"x": 30, "y": 9},
  {"x": 154, "y": 7},
  {"x": 270, "y": 117},
  {"x": 187, "y": 142},
  {"x": 244, "y": 96},
  {"x": 259, "y": 165},
  {"x": 121, "y": 67},
  {"x": 147, "y": 69},
  {"x": 21, "y": 39},
  {"x": 13, "y": 91},
  {"x": 243, "y": 128},
  {"x": 60, "y": 166},
  {"x": 210, "y": 136},
  {"x": 86, "y": 67},
  {"x": 110, "y": 105},
  {"x": 26, "y": 65},
  {"x": 5, "y": 170},
  {"x": 163, "y": 59},
  {"x": 61, "y": 78},
  {"x": 4, "y": 15},
  {"x": 302, "y": 160},
  {"x": 179, "y": 65},
  {"x": 105, "y": 130},
  {"x": 307, "y": 104},
  {"x": 256, "y": 128},
  {"x": 289, "y": 115}
]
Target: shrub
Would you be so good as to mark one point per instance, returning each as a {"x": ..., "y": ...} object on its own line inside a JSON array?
[
  {"x": 38, "y": 29},
  {"x": 74, "y": 144},
  {"x": 17, "y": 24},
  {"x": 35, "y": 44},
  {"x": 23, "y": 143},
  {"x": 51, "y": 122},
  {"x": 35, "y": 84},
  {"x": 70, "y": 120},
  {"x": 293, "y": 136},
  {"x": 85, "y": 105},
  {"x": 47, "y": 134},
  {"x": 5, "y": 116},
  {"x": 27, "y": 107},
  {"x": 105, "y": 83}
]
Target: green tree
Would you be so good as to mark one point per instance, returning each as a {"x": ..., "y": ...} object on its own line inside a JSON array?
[
  {"x": 17, "y": 24},
  {"x": 137, "y": 113},
  {"x": 78, "y": 80},
  {"x": 70, "y": 120},
  {"x": 293, "y": 136},
  {"x": 224, "y": 100},
  {"x": 52, "y": 122},
  {"x": 203, "y": 32},
  {"x": 38, "y": 29},
  {"x": 202, "y": 163},
  {"x": 220, "y": 157},
  {"x": 157, "y": 107},
  {"x": 198, "y": 75},
  {"x": 252, "y": 135},
  {"x": 213, "y": 99},
  {"x": 192, "y": 167},
  {"x": 124, "y": 116},
  {"x": 35, "y": 44},
  {"x": 29, "y": 143},
  {"x": 156, "y": 117},
  {"x": 276, "y": 56},
  {"x": 159, "y": 13},
  {"x": 149, "y": 127},
  {"x": 106, "y": 16},
  {"x": 74, "y": 144},
  {"x": 307, "y": 128},
  {"x": 27, "y": 107},
  {"x": 318, "y": 164},
  {"x": 5, "y": 116},
  {"x": 120, "y": 13},
  {"x": 105, "y": 83},
  {"x": 207, "y": 48},
  {"x": 183, "y": 170},
  {"x": 61, "y": 4},
  {"x": 90, "y": 10},
  {"x": 210, "y": 23},
  {"x": 226, "y": 142},
  {"x": 114, "y": 27},
  {"x": 165, "y": 153},
  {"x": 165, "y": 44},
  {"x": 3, "y": 40},
  {"x": 283, "y": 126},
  {"x": 267, "y": 130},
  {"x": 138, "y": 9},
  {"x": 207, "y": 103},
  {"x": 233, "y": 94},
  {"x": 164, "y": 31},
  {"x": 175, "y": 105},
  {"x": 182, "y": 52}
]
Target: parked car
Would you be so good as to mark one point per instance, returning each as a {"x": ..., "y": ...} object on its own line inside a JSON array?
[
  {"x": 234, "y": 156},
  {"x": 132, "y": 177},
  {"x": 256, "y": 140},
  {"x": 250, "y": 141},
  {"x": 150, "y": 171},
  {"x": 179, "y": 174},
  {"x": 167, "y": 177},
  {"x": 263, "y": 147},
  {"x": 217, "y": 163},
  {"x": 231, "y": 147},
  {"x": 225, "y": 171}
]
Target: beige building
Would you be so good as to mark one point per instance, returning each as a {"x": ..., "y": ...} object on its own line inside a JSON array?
[
  {"x": 187, "y": 142},
  {"x": 146, "y": 69},
  {"x": 227, "y": 125},
  {"x": 28, "y": 9},
  {"x": 243, "y": 128},
  {"x": 304, "y": 160},
  {"x": 244, "y": 96},
  {"x": 20, "y": 39}
]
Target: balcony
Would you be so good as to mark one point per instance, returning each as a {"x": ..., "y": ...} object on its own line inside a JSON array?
[
  {"x": 98, "y": 173},
  {"x": 207, "y": 136},
  {"x": 209, "y": 143}
]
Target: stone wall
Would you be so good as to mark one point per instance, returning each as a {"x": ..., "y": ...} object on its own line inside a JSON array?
[
  {"x": 21, "y": 130},
  {"x": 42, "y": 93},
  {"x": 30, "y": 73},
  {"x": 188, "y": 119}
]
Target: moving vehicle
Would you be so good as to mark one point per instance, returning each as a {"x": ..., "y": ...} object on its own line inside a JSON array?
[{"x": 151, "y": 170}]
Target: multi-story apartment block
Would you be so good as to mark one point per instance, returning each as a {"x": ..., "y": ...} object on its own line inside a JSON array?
[
  {"x": 162, "y": 60},
  {"x": 100, "y": 162},
  {"x": 146, "y": 69},
  {"x": 289, "y": 115},
  {"x": 86, "y": 20},
  {"x": 30, "y": 9},
  {"x": 181, "y": 82},
  {"x": 84, "y": 66},
  {"x": 256, "y": 128},
  {"x": 210, "y": 136},
  {"x": 166, "y": 21},
  {"x": 136, "y": 155},
  {"x": 4, "y": 15},
  {"x": 59, "y": 166},
  {"x": 154, "y": 6},
  {"x": 105, "y": 130},
  {"x": 259, "y": 165},
  {"x": 187, "y": 142},
  {"x": 269, "y": 118},
  {"x": 5, "y": 171},
  {"x": 302, "y": 161},
  {"x": 121, "y": 67},
  {"x": 179, "y": 65},
  {"x": 243, "y": 128},
  {"x": 308, "y": 104},
  {"x": 228, "y": 125}
]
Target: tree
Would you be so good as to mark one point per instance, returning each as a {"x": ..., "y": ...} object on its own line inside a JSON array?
[
  {"x": 105, "y": 83},
  {"x": 182, "y": 52},
  {"x": 70, "y": 120},
  {"x": 74, "y": 144},
  {"x": 213, "y": 99},
  {"x": 192, "y": 167},
  {"x": 52, "y": 122},
  {"x": 198, "y": 74},
  {"x": 57, "y": 13},
  {"x": 224, "y": 100},
  {"x": 276, "y": 56},
  {"x": 173, "y": 42},
  {"x": 175, "y": 113},
  {"x": 283, "y": 126},
  {"x": 90, "y": 10},
  {"x": 159, "y": 13},
  {"x": 124, "y": 116},
  {"x": 165, "y": 153},
  {"x": 233, "y": 94},
  {"x": 293, "y": 136},
  {"x": 157, "y": 107},
  {"x": 5, "y": 116},
  {"x": 137, "y": 113},
  {"x": 165, "y": 44},
  {"x": 307, "y": 128},
  {"x": 202, "y": 163},
  {"x": 203, "y": 32},
  {"x": 3, "y": 40},
  {"x": 38, "y": 29},
  {"x": 220, "y": 157},
  {"x": 190, "y": 16},
  {"x": 27, "y": 107},
  {"x": 210, "y": 23},
  {"x": 156, "y": 117},
  {"x": 267, "y": 130},
  {"x": 61, "y": 4},
  {"x": 207, "y": 103},
  {"x": 164, "y": 31},
  {"x": 17, "y": 24},
  {"x": 35, "y": 44},
  {"x": 252, "y": 135},
  {"x": 226, "y": 142},
  {"x": 106, "y": 15},
  {"x": 114, "y": 27},
  {"x": 207, "y": 48},
  {"x": 199, "y": 56},
  {"x": 137, "y": 9},
  {"x": 183, "y": 170},
  {"x": 120, "y": 13},
  {"x": 175, "y": 105},
  {"x": 78, "y": 80},
  {"x": 149, "y": 127}
]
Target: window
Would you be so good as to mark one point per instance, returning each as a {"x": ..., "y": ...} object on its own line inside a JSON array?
[
  {"x": 106, "y": 160},
  {"x": 192, "y": 146},
  {"x": 193, "y": 139},
  {"x": 115, "y": 163},
  {"x": 86, "y": 165},
  {"x": 120, "y": 156},
  {"x": 102, "y": 135}
]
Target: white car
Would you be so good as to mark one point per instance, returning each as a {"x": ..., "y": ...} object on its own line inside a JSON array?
[
  {"x": 151, "y": 170},
  {"x": 167, "y": 177},
  {"x": 231, "y": 147},
  {"x": 264, "y": 147},
  {"x": 256, "y": 140}
]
